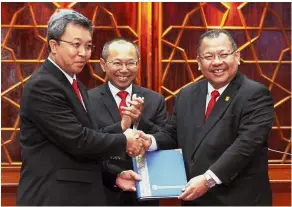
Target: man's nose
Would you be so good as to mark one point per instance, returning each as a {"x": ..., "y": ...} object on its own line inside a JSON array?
[
  {"x": 124, "y": 67},
  {"x": 217, "y": 60},
  {"x": 82, "y": 50}
]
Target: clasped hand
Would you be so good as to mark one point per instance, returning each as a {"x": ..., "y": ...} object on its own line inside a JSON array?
[
  {"x": 134, "y": 110},
  {"x": 137, "y": 142}
]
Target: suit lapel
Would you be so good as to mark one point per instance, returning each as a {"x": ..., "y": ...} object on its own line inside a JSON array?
[
  {"x": 110, "y": 103},
  {"x": 85, "y": 101},
  {"x": 60, "y": 76},
  {"x": 137, "y": 91},
  {"x": 200, "y": 105},
  {"x": 197, "y": 113},
  {"x": 70, "y": 91},
  {"x": 220, "y": 107},
  {"x": 84, "y": 97}
]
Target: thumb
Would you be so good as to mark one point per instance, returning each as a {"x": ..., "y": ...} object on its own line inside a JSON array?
[{"x": 135, "y": 176}]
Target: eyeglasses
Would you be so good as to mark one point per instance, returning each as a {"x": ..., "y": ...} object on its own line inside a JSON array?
[
  {"x": 211, "y": 57},
  {"x": 77, "y": 45},
  {"x": 119, "y": 64}
]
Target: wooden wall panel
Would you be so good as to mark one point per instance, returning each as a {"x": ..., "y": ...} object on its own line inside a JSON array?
[{"x": 263, "y": 34}]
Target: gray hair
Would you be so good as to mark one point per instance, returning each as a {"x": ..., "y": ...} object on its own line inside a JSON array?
[
  {"x": 59, "y": 21},
  {"x": 104, "y": 54},
  {"x": 215, "y": 34}
]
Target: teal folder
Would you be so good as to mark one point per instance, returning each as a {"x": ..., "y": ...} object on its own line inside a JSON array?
[{"x": 163, "y": 174}]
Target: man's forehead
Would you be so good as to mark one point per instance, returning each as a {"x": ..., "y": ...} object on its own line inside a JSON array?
[
  {"x": 78, "y": 32},
  {"x": 216, "y": 41},
  {"x": 121, "y": 45}
]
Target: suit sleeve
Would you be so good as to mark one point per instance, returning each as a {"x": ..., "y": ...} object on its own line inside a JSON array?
[
  {"x": 253, "y": 132},
  {"x": 167, "y": 137},
  {"x": 52, "y": 113},
  {"x": 114, "y": 128},
  {"x": 159, "y": 121}
]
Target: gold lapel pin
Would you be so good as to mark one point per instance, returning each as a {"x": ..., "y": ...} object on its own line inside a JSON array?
[{"x": 227, "y": 98}]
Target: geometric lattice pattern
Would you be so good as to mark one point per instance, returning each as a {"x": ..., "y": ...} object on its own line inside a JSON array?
[
  {"x": 263, "y": 34},
  {"x": 166, "y": 32},
  {"x": 23, "y": 47}
]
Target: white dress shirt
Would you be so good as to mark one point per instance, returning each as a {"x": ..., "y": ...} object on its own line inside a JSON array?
[
  {"x": 220, "y": 90},
  {"x": 114, "y": 90},
  {"x": 208, "y": 97},
  {"x": 210, "y": 89}
]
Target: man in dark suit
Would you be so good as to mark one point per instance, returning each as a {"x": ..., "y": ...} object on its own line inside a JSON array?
[
  {"x": 146, "y": 109},
  {"x": 61, "y": 149},
  {"x": 222, "y": 124}
]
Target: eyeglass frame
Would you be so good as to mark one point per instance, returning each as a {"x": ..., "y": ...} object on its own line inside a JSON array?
[
  {"x": 123, "y": 63},
  {"x": 75, "y": 46},
  {"x": 218, "y": 56}
]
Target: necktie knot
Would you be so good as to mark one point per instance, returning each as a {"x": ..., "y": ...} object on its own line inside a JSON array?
[
  {"x": 122, "y": 94},
  {"x": 76, "y": 89},
  {"x": 74, "y": 84},
  {"x": 215, "y": 94}
]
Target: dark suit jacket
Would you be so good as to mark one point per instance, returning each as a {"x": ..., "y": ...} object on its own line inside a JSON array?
[
  {"x": 61, "y": 151},
  {"x": 108, "y": 119},
  {"x": 232, "y": 143}
]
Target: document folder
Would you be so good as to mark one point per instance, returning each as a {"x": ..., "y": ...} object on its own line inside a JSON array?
[{"x": 163, "y": 174}]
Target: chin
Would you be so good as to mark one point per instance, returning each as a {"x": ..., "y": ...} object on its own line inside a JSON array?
[
  {"x": 123, "y": 86},
  {"x": 78, "y": 70}
]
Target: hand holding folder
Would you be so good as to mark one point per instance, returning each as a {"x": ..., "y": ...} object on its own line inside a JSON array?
[
  {"x": 162, "y": 172},
  {"x": 126, "y": 180}
]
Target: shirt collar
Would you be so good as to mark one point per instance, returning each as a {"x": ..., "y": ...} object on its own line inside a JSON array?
[
  {"x": 114, "y": 90},
  {"x": 220, "y": 90},
  {"x": 70, "y": 79}
]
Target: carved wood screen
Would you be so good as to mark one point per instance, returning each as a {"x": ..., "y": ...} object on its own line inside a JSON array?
[
  {"x": 167, "y": 35},
  {"x": 263, "y": 34}
]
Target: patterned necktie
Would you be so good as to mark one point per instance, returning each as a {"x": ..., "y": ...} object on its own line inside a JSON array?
[
  {"x": 76, "y": 89},
  {"x": 123, "y": 96},
  {"x": 211, "y": 103}
]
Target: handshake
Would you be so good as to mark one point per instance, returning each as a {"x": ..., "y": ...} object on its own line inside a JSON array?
[{"x": 137, "y": 142}]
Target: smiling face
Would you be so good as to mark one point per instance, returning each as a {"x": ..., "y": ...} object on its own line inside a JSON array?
[
  {"x": 125, "y": 53},
  {"x": 219, "y": 71},
  {"x": 70, "y": 58}
]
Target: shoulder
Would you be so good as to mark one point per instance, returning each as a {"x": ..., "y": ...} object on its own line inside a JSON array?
[
  {"x": 193, "y": 87},
  {"x": 41, "y": 87},
  {"x": 96, "y": 91},
  {"x": 251, "y": 87},
  {"x": 41, "y": 79},
  {"x": 148, "y": 92}
]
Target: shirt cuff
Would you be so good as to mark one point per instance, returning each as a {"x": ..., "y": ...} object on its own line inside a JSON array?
[
  {"x": 214, "y": 177},
  {"x": 153, "y": 146},
  {"x": 135, "y": 126},
  {"x": 129, "y": 130}
]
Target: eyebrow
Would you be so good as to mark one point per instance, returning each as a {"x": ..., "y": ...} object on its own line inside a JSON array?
[
  {"x": 122, "y": 60},
  {"x": 222, "y": 50},
  {"x": 79, "y": 39}
]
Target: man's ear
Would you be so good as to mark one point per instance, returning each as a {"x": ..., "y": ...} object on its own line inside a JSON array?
[
  {"x": 237, "y": 55},
  {"x": 53, "y": 45},
  {"x": 102, "y": 64},
  {"x": 199, "y": 64}
]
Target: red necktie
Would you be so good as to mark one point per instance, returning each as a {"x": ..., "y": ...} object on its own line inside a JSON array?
[
  {"x": 123, "y": 96},
  {"x": 76, "y": 89},
  {"x": 211, "y": 103}
]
